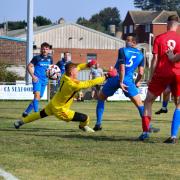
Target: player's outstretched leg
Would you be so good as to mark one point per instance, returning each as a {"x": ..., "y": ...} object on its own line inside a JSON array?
[
  {"x": 30, "y": 118},
  {"x": 99, "y": 115},
  {"x": 18, "y": 123}
]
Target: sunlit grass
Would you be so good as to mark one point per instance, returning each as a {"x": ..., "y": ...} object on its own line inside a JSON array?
[{"x": 52, "y": 149}]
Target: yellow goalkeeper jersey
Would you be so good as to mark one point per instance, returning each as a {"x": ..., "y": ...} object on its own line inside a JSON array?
[{"x": 69, "y": 87}]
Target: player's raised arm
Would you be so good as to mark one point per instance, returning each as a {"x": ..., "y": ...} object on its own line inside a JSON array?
[
  {"x": 86, "y": 65},
  {"x": 112, "y": 72}
]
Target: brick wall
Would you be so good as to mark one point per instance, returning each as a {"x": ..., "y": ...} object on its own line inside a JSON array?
[
  {"x": 161, "y": 28},
  {"x": 105, "y": 58},
  {"x": 12, "y": 52}
]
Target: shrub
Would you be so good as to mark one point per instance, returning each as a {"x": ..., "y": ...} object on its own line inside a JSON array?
[{"x": 8, "y": 76}]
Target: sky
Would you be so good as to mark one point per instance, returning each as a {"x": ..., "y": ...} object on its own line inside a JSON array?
[{"x": 70, "y": 10}]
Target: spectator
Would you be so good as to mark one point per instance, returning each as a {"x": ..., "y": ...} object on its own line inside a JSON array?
[{"x": 95, "y": 72}]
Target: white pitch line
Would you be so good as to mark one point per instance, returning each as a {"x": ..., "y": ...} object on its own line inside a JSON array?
[{"x": 6, "y": 175}]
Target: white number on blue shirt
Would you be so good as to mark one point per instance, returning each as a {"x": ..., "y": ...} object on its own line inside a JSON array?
[{"x": 130, "y": 63}]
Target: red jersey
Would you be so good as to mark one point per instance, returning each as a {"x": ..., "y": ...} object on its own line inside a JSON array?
[{"x": 162, "y": 43}]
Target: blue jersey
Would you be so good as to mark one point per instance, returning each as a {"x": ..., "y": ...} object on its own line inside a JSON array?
[
  {"x": 41, "y": 64},
  {"x": 131, "y": 58},
  {"x": 61, "y": 64}
]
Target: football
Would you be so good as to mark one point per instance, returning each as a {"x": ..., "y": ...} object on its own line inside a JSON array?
[{"x": 53, "y": 72}]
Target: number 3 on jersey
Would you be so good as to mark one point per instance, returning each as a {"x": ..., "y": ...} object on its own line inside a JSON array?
[{"x": 130, "y": 62}]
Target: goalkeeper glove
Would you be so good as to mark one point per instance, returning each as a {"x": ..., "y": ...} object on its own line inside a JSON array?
[{"x": 112, "y": 72}]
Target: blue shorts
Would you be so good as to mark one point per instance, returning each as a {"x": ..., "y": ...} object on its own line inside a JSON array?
[
  {"x": 112, "y": 84},
  {"x": 39, "y": 86}
]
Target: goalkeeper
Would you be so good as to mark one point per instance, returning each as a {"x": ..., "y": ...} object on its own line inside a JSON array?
[{"x": 60, "y": 104}]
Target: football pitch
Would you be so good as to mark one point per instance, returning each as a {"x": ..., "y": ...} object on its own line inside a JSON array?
[{"x": 55, "y": 150}]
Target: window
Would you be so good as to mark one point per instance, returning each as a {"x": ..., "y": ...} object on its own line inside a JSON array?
[
  {"x": 91, "y": 56},
  {"x": 147, "y": 28},
  {"x": 131, "y": 29},
  {"x": 125, "y": 29}
]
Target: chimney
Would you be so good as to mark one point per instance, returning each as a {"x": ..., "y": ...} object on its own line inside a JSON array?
[{"x": 112, "y": 29}]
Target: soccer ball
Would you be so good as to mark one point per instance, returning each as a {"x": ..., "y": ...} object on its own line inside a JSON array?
[{"x": 53, "y": 72}]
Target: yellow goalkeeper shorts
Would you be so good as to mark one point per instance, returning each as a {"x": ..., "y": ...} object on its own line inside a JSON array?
[{"x": 61, "y": 113}]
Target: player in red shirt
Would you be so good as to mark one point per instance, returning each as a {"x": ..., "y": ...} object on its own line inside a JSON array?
[{"x": 163, "y": 73}]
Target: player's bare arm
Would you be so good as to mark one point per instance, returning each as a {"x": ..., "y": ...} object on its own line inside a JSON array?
[
  {"x": 30, "y": 68},
  {"x": 121, "y": 79},
  {"x": 139, "y": 76}
]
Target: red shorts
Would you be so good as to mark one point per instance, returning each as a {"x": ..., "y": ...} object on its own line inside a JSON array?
[{"x": 159, "y": 83}]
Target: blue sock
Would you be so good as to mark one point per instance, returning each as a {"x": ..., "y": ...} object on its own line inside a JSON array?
[
  {"x": 141, "y": 110},
  {"x": 175, "y": 123},
  {"x": 99, "y": 112},
  {"x": 29, "y": 108},
  {"x": 36, "y": 105},
  {"x": 164, "y": 104}
]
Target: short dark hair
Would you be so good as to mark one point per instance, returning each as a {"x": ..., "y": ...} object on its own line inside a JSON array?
[
  {"x": 66, "y": 52},
  {"x": 173, "y": 18},
  {"x": 45, "y": 44},
  {"x": 131, "y": 38}
]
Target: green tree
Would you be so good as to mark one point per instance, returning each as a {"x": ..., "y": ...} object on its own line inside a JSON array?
[
  {"x": 83, "y": 21},
  {"x": 109, "y": 16},
  {"x": 158, "y": 5},
  {"x": 41, "y": 21},
  {"x": 102, "y": 20},
  {"x": 13, "y": 25},
  {"x": 7, "y": 76}
]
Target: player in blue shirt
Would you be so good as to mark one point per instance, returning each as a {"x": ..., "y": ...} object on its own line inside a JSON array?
[
  {"x": 37, "y": 69},
  {"x": 129, "y": 59},
  {"x": 62, "y": 63}
]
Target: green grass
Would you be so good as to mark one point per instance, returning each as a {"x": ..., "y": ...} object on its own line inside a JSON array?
[{"x": 52, "y": 149}]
